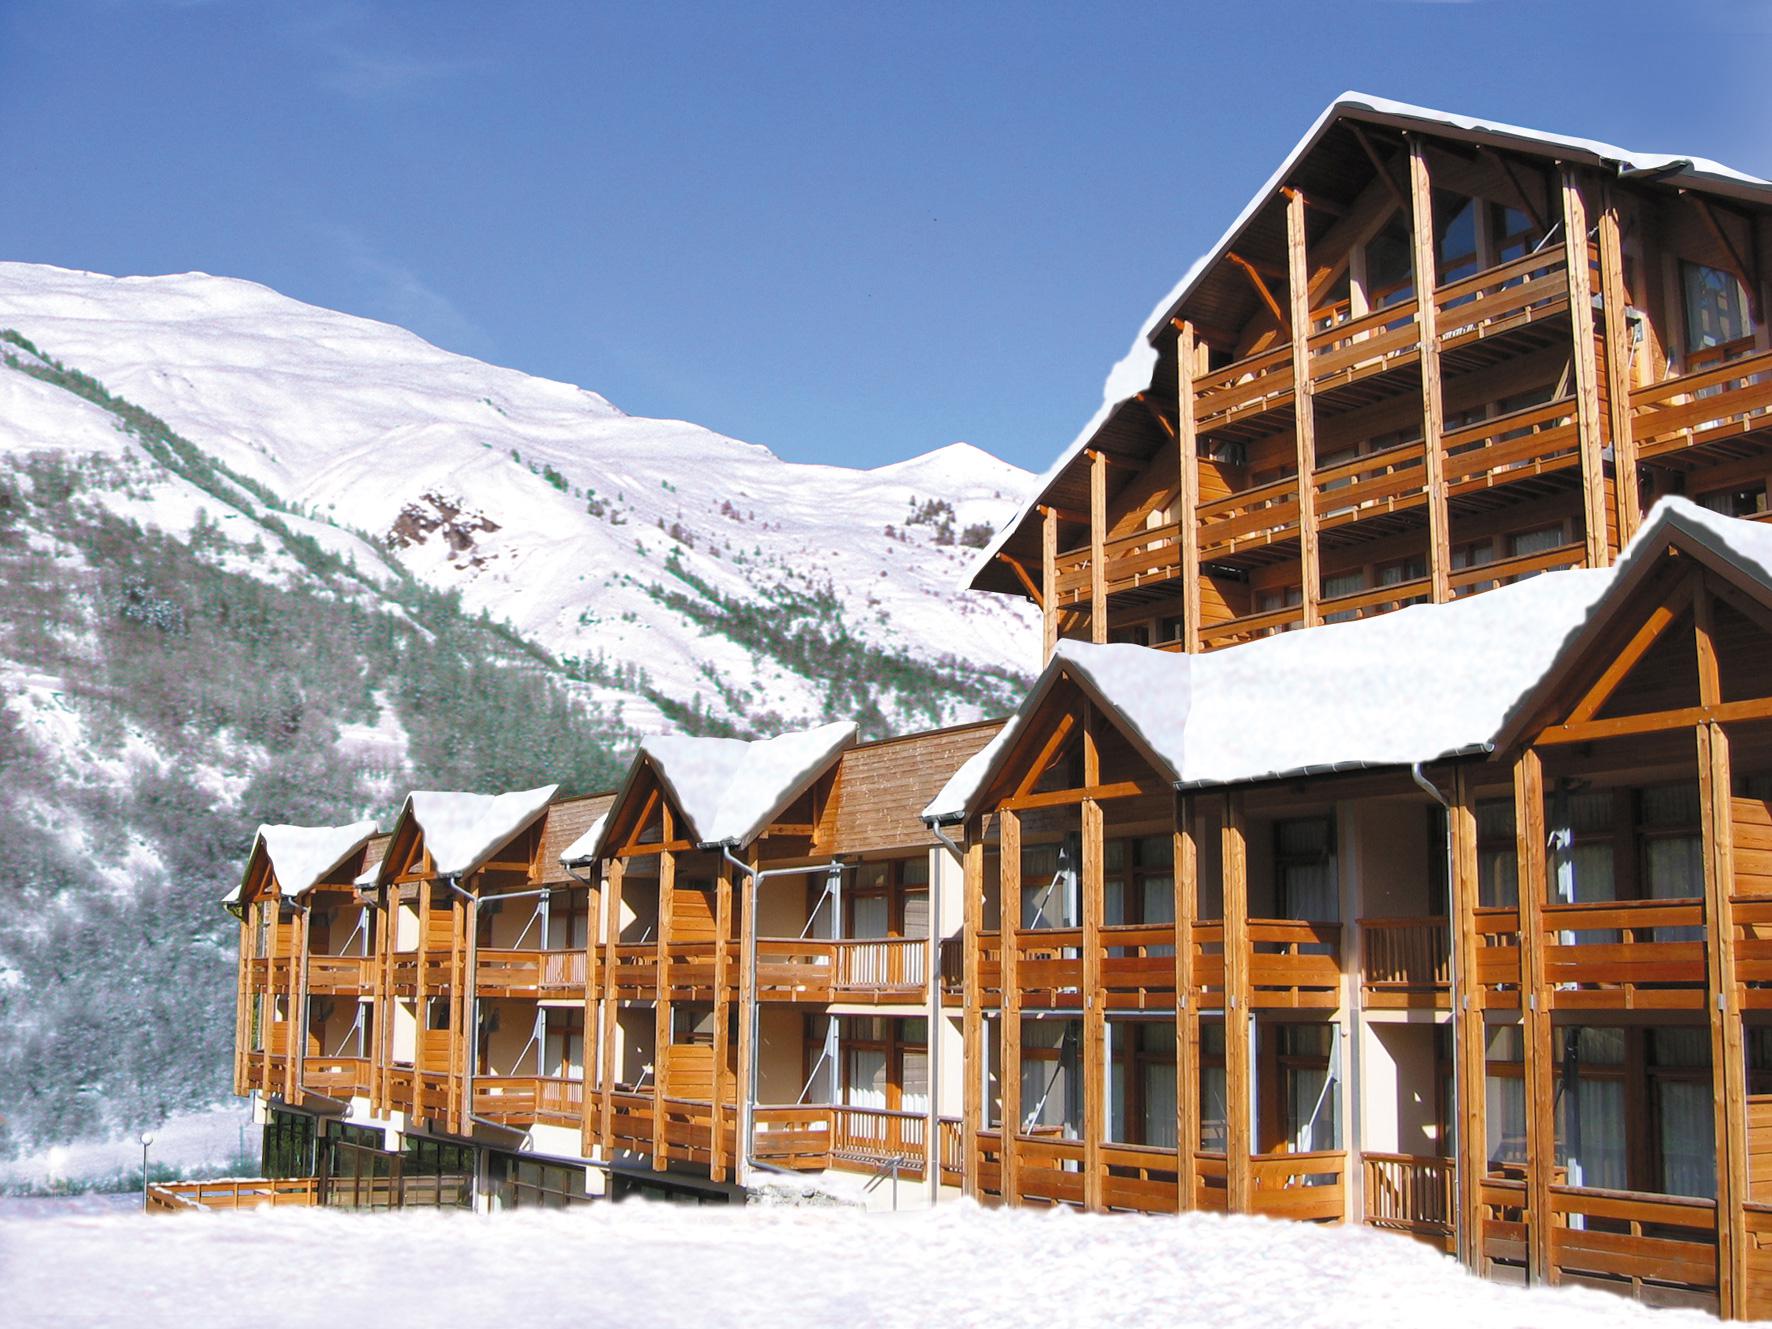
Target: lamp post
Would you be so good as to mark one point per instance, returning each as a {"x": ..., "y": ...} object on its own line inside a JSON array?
[{"x": 147, "y": 1139}]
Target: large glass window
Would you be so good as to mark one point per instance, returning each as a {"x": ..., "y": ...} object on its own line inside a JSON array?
[
  {"x": 1213, "y": 1116},
  {"x": 1308, "y": 1073},
  {"x": 1304, "y": 865},
  {"x": 1504, "y": 1095},
  {"x": 1498, "y": 863},
  {"x": 288, "y": 1145},
  {"x": 1051, "y": 1077},
  {"x": 1138, "y": 882},
  {"x": 1715, "y": 307},
  {"x": 1141, "y": 1082},
  {"x": 525, "y": 1183}
]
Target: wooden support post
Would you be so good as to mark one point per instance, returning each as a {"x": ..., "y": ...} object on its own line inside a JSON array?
[
  {"x": 1723, "y": 996},
  {"x": 661, "y": 1007},
  {"x": 1009, "y": 930},
  {"x": 1187, "y": 354},
  {"x": 1187, "y": 1020},
  {"x": 722, "y": 1014},
  {"x": 972, "y": 1023},
  {"x": 594, "y": 1051},
  {"x": 1587, "y": 374},
  {"x": 242, "y": 1011},
  {"x": 1238, "y": 1017},
  {"x": 1439, "y": 539},
  {"x": 1303, "y": 412},
  {"x": 298, "y": 1010},
  {"x": 1048, "y": 583},
  {"x": 1628, "y": 510},
  {"x": 1535, "y": 998},
  {"x": 747, "y": 1002},
  {"x": 1098, "y": 610},
  {"x": 420, "y": 992},
  {"x": 1094, "y": 1011},
  {"x": 460, "y": 1012},
  {"x": 613, "y": 874},
  {"x": 1468, "y": 1032}
]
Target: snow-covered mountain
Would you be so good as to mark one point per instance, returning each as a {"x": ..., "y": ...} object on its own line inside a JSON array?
[
  {"x": 264, "y": 562},
  {"x": 599, "y": 535}
]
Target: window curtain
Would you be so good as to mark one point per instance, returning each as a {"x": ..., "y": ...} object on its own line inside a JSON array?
[
  {"x": 1308, "y": 889},
  {"x": 867, "y": 1078},
  {"x": 916, "y": 914},
  {"x": 913, "y": 1093}
]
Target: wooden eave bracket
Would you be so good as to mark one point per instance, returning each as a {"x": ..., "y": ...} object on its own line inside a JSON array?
[{"x": 1249, "y": 270}]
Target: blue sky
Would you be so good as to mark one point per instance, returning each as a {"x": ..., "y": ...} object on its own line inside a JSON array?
[{"x": 851, "y": 233}]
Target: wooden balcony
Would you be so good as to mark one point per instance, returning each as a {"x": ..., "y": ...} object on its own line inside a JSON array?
[
  {"x": 1625, "y": 955},
  {"x": 340, "y": 975},
  {"x": 1049, "y": 1169},
  {"x": 420, "y": 1094},
  {"x": 403, "y": 972},
  {"x": 1139, "y": 1178},
  {"x": 1049, "y": 966},
  {"x": 634, "y": 973},
  {"x": 175, "y": 1197},
  {"x": 539, "y": 974},
  {"x": 1294, "y": 963},
  {"x": 813, "y": 1138},
  {"x": 1412, "y": 1194},
  {"x": 1660, "y": 1248},
  {"x": 1498, "y": 956},
  {"x": 336, "y": 1077},
  {"x": 1138, "y": 966},
  {"x": 1405, "y": 962},
  {"x": 877, "y": 970},
  {"x": 953, "y": 970},
  {"x": 1305, "y": 1187},
  {"x": 688, "y": 1130},
  {"x": 1208, "y": 968},
  {"x": 690, "y": 970},
  {"x": 630, "y": 1125},
  {"x": 1703, "y": 409},
  {"x": 522, "y": 1100}
]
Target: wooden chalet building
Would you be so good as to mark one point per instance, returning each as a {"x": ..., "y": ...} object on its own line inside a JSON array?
[{"x": 1450, "y": 915}]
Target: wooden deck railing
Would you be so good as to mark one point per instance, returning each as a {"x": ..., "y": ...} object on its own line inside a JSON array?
[
  {"x": 1357, "y": 348},
  {"x": 531, "y": 973},
  {"x": 630, "y": 1126},
  {"x": 1520, "y": 445},
  {"x": 635, "y": 970},
  {"x": 691, "y": 967},
  {"x": 1498, "y": 955},
  {"x": 1522, "y": 290},
  {"x": 336, "y": 1077},
  {"x": 881, "y": 967},
  {"x": 851, "y": 969},
  {"x": 1049, "y": 1169},
  {"x": 1410, "y": 1193},
  {"x": 1484, "y": 575},
  {"x": 1627, "y": 954},
  {"x": 1405, "y": 962},
  {"x": 1294, "y": 963},
  {"x": 340, "y": 974},
  {"x": 1388, "y": 480},
  {"x": 813, "y": 1137},
  {"x": 1310, "y": 1187},
  {"x": 173, "y": 1197},
  {"x": 1048, "y": 965},
  {"x": 1256, "y": 516},
  {"x": 953, "y": 969},
  {"x": 1208, "y": 970},
  {"x": 950, "y": 1144},
  {"x": 1138, "y": 965},
  {"x": 1707, "y": 406},
  {"x": 1139, "y": 1178},
  {"x": 1632, "y": 1238},
  {"x": 1249, "y": 387},
  {"x": 515, "y": 1099}
]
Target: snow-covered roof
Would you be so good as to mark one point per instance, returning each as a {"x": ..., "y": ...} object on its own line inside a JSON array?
[
  {"x": 727, "y": 789},
  {"x": 584, "y": 849},
  {"x": 1413, "y": 685},
  {"x": 1132, "y": 374},
  {"x": 301, "y": 855},
  {"x": 462, "y": 830}
]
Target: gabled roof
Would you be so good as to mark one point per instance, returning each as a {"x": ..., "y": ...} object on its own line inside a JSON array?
[
  {"x": 462, "y": 830},
  {"x": 1410, "y": 686},
  {"x": 725, "y": 789},
  {"x": 300, "y": 856},
  {"x": 1134, "y": 372}
]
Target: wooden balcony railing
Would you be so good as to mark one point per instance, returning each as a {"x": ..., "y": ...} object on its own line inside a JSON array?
[
  {"x": 1520, "y": 445},
  {"x": 950, "y": 1144},
  {"x": 1139, "y": 1178},
  {"x": 630, "y": 1125},
  {"x": 1247, "y": 627},
  {"x": 1311, "y": 1187},
  {"x": 1523, "y": 290},
  {"x": 953, "y": 969},
  {"x": 1625, "y": 954},
  {"x": 1049, "y": 965},
  {"x": 691, "y": 967},
  {"x": 635, "y": 971},
  {"x": 340, "y": 974},
  {"x": 990, "y": 967},
  {"x": 515, "y": 973},
  {"x": 1707, "y": 406},
  {"x": 1138, "y": 965},
  {"x": 1050, "y": 1169},
  {"x": 1410, "y": 1193},
  {"x": 1633, "y": 1238},
  {"x": 1211, "y": 1182},
  {"x": 1251, "y": 517},
  {"x": 1294, "y": 963},
  {"x": 881, "y": 967},
  {"x": 688, "y": 1130},
  {"x": 1388, "y": 480},
  {"x": 258, "y": 973},
  {"x": 1208, "y": 969},
  {"x": 874, "y": 969},
  {"x": 1486, "y": 575},
  {"x": 1405, "y": 962},
  {"x": 1251, "y": 386},
  {"x": 523, "y": 1099},
  {"x": 336, "y": 1077},
  {"x": 173, "y": 1197},
  {"x": 1498, "y": 955},
  {"x": 439, "y": 972},
  {"x": 1357, "y": 348},
  {"x": 990, "y": 1162}
]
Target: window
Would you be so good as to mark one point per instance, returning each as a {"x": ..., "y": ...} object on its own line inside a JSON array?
[
  {"x": 1051, "y": 1077},
  {"x": 1138, "y": 881},
  {"x": 1171, "y": 628},
  {"x": 1131, "y": 634},
  {"x": 288, "y": 1145},
  {"x": 889, "y": 899},
  {"x": 1455, "y": 237},
  {"x": 1390, "y": 266},
  {"x": 1498, "y": 863},
  {"x": 1504, "y": 1097},
  {"x": 1304, "y": 869},
  {"x": 1715, "y": 308},
  {"x": 436, "y": 1173},
  {"x": 563, "y": 1050},
  {"x": 1308, "y": 1074},
  {"x": 1213, "y": 1116},
  {"x": 1512, "y": 233},
  {"x": 1141, "y": 1082},
  {"x": 1339, "y": 584},
  {"x": 885, "y": 1063},
  {"x": 524, "y": 1183},
  {"x": 1747, "y": 501},
  {"x": 1049, "y": 883}
]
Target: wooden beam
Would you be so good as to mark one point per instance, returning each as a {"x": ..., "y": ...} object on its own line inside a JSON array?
[
  {"x": 974, "y": 1057},
  {"x": 1587, "y": 383},
  {"x": 1238, "y": 1019},
  {"x": 1426, "y": 270},
  {"x": 661, "y": 1006},
  {"x": 1098, "y": 611},
  {"x": 1634, "y": 650},
  {"x": 1048, "y": 752},
  {"x": 1144, "y": 400},
  {"x": 1723, "y": 1003},
  {"x": 1094, "y": 1001},
  {"x": 1380, "y": 166},
  {"x": 1187, "y": 356},
  {"x": 1261, "y": 288},
  {"x": 1009, "y": 1068},
  {"x": 1626, "y": 499},
  {"x": 1522, "y": 195},
  {"x": 1100, "y": 792},
  {"x": 1468, "y": 1033},
  {"x": 1021, "y": 575},
  {"x": 747, "y": 1002},
  {"x": 723, "y": 1110},
  {"x": 1187, "y": 1018},
  {"x": 1658, "y": 722},
  {"x": 1303, "y": 412},
  {"x": 1739, "y": 267},
  {"x": 1049, "y": 583},
  {"x": 1541, "y": 1137}
]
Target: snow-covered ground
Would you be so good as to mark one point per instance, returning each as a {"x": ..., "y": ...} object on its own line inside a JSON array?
[
  {"x": 637, "y": 1264},
  {"x": 198, "y": 1141}
]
